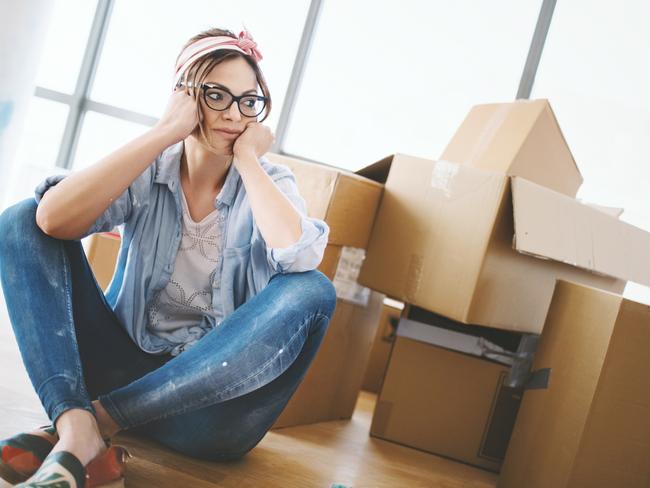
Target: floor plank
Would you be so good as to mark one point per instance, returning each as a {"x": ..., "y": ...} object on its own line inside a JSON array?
[{"x": 315, "y": 455}]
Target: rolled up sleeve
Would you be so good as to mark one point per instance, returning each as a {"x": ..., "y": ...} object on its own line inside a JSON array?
[
  {"x": 306, "y": 253},
  {"x": 120, "y": 209}
]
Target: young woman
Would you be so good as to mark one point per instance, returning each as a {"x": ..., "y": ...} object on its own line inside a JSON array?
[{"x": 215, "y": 310}]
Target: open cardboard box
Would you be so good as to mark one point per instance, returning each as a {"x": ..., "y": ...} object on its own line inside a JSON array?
[
  {"x": 480, "y": 243},
  {"x": 588, "y": 423},
  {"x": 445, "y": 389}
]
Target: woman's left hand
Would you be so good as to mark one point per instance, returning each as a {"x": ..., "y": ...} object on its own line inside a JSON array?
[{"x": 256, "y": 138}]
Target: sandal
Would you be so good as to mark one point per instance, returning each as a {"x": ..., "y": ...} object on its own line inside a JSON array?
[
  {"x": 22, "y": 454},
  {"x": 63, "y": 469}
]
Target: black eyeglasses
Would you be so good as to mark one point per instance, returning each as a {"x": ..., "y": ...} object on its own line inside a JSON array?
[{"x": 221, "y": 99}]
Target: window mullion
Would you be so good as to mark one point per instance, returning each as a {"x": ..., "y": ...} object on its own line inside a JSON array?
[{"x": 78, "y": 101}]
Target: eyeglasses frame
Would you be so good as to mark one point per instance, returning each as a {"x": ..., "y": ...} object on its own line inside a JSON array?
[{"x": 204, "y": 86}]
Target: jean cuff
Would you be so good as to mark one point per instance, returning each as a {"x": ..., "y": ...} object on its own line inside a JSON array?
[
  {"x": 67, "y": 405},
  {"x": 113, "y": 411},
  {"x": 62, "y": 392}
]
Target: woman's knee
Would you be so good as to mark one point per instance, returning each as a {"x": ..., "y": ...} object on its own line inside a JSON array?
[
  {"x": 17, "y": 222},
  {"x": 310, "y": 288}
]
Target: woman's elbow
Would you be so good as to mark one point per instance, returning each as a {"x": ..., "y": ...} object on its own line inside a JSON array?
[
  {"x": 50, "y": 228},
  {"x": 43, "y": 221}
]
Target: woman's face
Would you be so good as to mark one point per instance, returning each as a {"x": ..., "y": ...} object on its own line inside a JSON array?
[{"x": 237, "y": 77}]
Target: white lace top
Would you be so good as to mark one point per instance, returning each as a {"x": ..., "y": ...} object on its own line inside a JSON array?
[{"x": 176, "y": 311}]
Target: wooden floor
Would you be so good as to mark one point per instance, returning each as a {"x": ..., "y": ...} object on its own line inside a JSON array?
[{"x": 316, "y": 455}]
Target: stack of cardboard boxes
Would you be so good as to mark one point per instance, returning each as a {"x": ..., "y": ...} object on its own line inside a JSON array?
[{"x": 474, "y": 244}]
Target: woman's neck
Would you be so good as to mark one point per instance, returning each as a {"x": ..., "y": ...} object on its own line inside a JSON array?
[{"x": 201, "y": 170}]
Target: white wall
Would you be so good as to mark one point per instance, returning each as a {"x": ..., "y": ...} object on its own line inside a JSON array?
[{"x": 22, "y": 34}]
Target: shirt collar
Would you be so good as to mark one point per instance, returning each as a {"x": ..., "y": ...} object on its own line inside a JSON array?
[{"x": 168, "y": 173}]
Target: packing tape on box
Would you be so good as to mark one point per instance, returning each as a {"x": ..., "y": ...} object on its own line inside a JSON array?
[
  {"x": 521, "y": 374},
  {"x": 414, "y": 276},
  {"x": 443, "y": 175},
  {"x": 487, "y": 135},
  {"x": 520, "y": 371},
  {"x": 538, "y": 380}
]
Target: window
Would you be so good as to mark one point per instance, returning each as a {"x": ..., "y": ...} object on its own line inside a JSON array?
[
  {"x": 41, "y": 136},
  {"x": 404, "y": 78},
  {"x": 65, "y": 42},
  {"x": 145, "y": 37},
  {"x": 101, "y": 135},
  {"x": 129, "y": 90}
]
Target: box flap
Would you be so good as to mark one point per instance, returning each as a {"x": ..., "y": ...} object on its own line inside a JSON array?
[
  {"x": 520, "y": 138},
  {"x": 555, "y": 226}
]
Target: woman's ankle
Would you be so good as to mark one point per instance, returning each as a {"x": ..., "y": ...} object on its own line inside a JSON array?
[
  {"x": 79, "y": 434},
  {"x": 75, "y": 420}
]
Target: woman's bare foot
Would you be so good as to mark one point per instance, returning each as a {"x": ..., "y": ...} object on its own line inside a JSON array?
[{"x": 79, "y": 434}]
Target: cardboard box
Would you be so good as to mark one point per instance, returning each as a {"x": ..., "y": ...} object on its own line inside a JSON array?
[
  {"x": 590, "y": 427},
  {"x": 444, "y": 391},
  {"x": 331, "y": 385},
  {"x": 102, "y": 250},
  {"x": 381, "y": 347},
  {"x": 330, "y": 260},
  {"x": 521, "y": 138},
  {"x": 347, "y": 201},
  {"x": 481, "y": 247}
]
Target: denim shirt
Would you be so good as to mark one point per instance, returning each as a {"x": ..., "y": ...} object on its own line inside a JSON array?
[{"x": 150, "y": 211}]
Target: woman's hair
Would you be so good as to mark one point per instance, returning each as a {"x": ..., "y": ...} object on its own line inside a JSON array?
[{"x": 199, "y": 70}]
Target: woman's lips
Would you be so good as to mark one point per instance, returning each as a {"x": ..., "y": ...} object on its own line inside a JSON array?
[{"x": 227, "y": 134}]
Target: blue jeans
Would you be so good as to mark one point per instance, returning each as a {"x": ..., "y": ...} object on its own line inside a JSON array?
[{"x": 215, "y": 401}]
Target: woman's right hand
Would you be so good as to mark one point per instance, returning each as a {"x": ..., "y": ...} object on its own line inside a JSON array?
[{"x": 180, "y": 117}]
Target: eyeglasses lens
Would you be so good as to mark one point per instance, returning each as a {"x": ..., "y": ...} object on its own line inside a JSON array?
[{"x": 219, "y": 100}]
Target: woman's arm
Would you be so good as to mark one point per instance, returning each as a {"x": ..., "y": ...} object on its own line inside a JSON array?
[
  {"x": 294, "y": 241},
  {"x": 275, "y": 216},
  {"x": 69, "y": 208}
]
